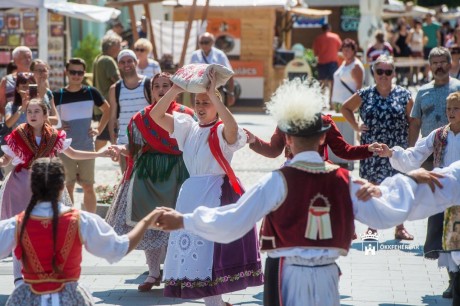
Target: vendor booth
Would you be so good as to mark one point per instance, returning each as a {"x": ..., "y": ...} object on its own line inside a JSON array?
[
  {"x": 251, "y": 33},
  {"x": 41, "y": 25}
]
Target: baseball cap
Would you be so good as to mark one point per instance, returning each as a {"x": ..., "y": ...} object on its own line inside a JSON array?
[{"x": 126, "y": 52}]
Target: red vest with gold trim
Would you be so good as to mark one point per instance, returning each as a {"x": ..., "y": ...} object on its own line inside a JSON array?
[
  {"x": 36, "y": 251},
  {"x": 316, "y": 213}
]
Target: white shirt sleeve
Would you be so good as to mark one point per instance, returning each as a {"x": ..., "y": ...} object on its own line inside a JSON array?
[
  {"x": 240, "y": 141},
  {"x": 7, "y": 232},
  {"x": 403, "y": 199},
  {"x": 230, "y": 222},
  {"x": 427, "y": 203},
  {"x": 411, "y": 158},
  {"x": 100, "y": 239},
  {"x": 66, "y": 144},
  {"x": 182, "y": 125},
  {"x": 389, "y": 210}
]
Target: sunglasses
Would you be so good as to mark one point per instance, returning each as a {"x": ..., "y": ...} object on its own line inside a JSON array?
[
  {"x": 387, "y": 72},
  {"x": 205, "y": 42},
  {"x": 139, "y": 50},
  {"x": 77, "y": 72}
]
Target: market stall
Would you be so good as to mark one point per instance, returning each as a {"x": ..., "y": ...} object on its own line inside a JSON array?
[
  {"x": 40, "y": 25},
  {"x": 249, "y": 32}
]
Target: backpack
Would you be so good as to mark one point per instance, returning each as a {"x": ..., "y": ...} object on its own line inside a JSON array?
[{"x": 147, "y": 93}]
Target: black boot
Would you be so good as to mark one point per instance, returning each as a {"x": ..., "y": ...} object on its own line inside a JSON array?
[
  {"x": 447, "y": 294},
  {"x": 456, "y": 289}
]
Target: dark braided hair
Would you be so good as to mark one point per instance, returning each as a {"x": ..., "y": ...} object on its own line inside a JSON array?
[{"x": 47, "y": 180}]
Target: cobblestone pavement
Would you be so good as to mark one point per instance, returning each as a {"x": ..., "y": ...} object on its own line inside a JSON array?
[{"x": 397, "y": 276}]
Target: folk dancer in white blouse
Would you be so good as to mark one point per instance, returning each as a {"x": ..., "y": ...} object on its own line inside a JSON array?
[
  {"x": 305, "y": 245},
  {"x": 444, "y": 144},
  {"x": 52, "y": 255}
]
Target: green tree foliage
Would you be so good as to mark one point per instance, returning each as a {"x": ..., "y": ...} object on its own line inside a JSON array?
[{"x": 88, "y": 49}]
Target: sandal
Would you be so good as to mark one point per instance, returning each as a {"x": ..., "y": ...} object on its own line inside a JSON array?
[
  {"x": 147, "y": 286},
  {"x": 402, "y": 234}
]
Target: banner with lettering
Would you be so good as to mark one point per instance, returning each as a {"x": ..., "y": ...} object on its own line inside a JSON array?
[{"x": 250, "y": 77}]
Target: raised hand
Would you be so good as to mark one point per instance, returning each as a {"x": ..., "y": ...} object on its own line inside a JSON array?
[
  {"x": 362, "y": 128},
  {"x": 211, "y": 88},
  {"x": 92, "y": 132},
  {"x": 367, "y": 190},
  {"x": 422, "y": 176},
  {"x": 108, "y": 152},
  {"x": 169, "y": 220},
  {"x": 251, "y": 137},
  {"x": 116, "y": 152},
  {"x": 375, "y": 147},
  {"x": 385, "y": 151}
]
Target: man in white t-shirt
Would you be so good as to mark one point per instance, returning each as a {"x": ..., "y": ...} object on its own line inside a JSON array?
[
  {"x": 130, "y": 97},
  {"x": 208, "y": 54}
]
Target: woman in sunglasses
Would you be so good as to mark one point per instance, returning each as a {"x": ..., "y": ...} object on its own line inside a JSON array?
[
  {"x": 146, "y": 65},
  {"x": 40, "y": 70},
  {"x": 384, "y": 109}
]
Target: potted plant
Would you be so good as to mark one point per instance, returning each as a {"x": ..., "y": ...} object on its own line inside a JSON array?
[{"x": 105, "y": 194}]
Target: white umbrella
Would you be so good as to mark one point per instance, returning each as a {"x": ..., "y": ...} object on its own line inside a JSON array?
[
  {"x": 22, "y": 4},
  {"x": 395, "y": 9},
  {"x": 83, "y": 11}
]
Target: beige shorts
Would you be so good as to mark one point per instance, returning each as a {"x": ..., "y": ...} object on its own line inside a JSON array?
[{"x": 84, "y": 169}]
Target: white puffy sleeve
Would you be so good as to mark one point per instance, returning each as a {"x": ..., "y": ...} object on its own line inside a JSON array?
[
  {"x": 183, "y": 123},
  {"x": 7, "y": 232},
  {"x": 398, "y": 193},
  {"x": 227, "y": 148},
  {"x": 15, "y": 159},
  {"x": 403, "y": 199},
  {"x": 100, "y": 239},
  {"x": 227, "y": 223},
  {"x": 411, "y": 158}
]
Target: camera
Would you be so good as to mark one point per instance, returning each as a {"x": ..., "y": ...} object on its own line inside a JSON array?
[{"x": 33, "y": 91}]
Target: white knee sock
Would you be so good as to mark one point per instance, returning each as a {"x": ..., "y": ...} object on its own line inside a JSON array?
[
  {"x": 215, "y": 300},
  {"x": 153, "y": 258}
]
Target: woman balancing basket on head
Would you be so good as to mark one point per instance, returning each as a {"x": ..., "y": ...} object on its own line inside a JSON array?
[{"x": 195, "y": 267}]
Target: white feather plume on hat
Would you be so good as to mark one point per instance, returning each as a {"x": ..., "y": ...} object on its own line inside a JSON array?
[{"x": 296, "y": 104}]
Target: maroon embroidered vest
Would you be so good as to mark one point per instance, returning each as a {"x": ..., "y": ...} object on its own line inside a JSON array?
[{"x": 317, "y": 212}]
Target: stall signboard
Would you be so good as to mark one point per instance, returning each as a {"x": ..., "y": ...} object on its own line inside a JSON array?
[
  {"x": 250, "y": 77},
  {"x": 309, "y": 22},
  {"x": 19, "y": 27},
  {"x": 227, "y": 33},
  {"x": 56, "y": 50},
  {"x": 349, "y": 18}
]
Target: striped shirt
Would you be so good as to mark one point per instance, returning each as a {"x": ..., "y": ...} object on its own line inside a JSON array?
[{"x": 130, "y": 102}]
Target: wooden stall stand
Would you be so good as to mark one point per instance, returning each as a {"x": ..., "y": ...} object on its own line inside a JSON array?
[{"x": 257, "y": 32}]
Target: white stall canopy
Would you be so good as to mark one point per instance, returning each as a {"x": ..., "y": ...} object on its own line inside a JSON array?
[
  {"x": 395, "y": 9},
  {"x": 62, "y": 7}
]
